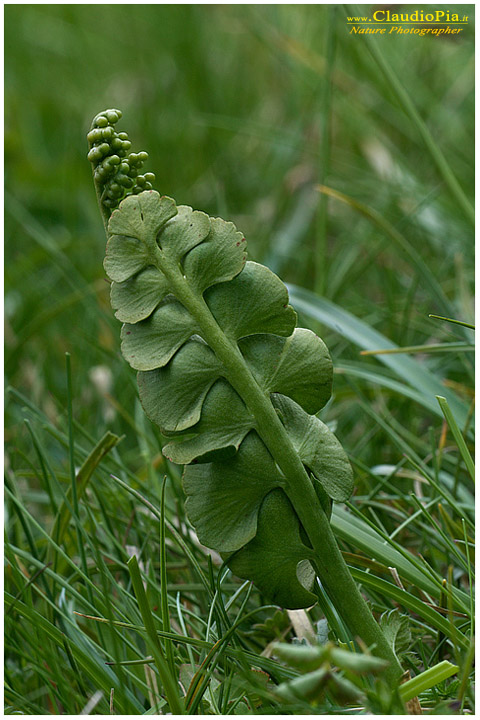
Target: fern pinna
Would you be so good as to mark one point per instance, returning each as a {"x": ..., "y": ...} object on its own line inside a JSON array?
[{"x": 232, "y": 383}]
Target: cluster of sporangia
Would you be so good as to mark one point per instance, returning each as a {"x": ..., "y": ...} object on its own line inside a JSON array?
[{"x": 116, "y": 170}]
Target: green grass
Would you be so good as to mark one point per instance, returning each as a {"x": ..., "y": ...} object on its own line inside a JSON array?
[{"x": 246, "y": 111}]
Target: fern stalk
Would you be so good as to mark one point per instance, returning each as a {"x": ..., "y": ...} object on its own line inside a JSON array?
[{"x": 261, "y": 470}]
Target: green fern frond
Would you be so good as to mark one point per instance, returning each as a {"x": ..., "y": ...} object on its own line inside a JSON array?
[{"x": 233, "y": 384}]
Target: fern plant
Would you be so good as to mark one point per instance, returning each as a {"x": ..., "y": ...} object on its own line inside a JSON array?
[{"x": 233, "y": 384}]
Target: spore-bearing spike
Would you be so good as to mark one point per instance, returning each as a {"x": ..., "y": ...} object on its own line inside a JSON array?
[{"x": 116, "y": 169}]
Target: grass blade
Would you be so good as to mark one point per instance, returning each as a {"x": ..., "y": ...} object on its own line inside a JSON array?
[
  {"x": 426, "y": 680},
  {"x": 379, "y": 377},
  {"x": 163, "y": 584},
  {"x": 325, "y": 148},
  {"x": 433, "y": 347},
  {"x": 171, "y": 688},
  {"x": 108, "y": 441},
  {"x": 456, "y": 322},
  {"x": 459, "y": 439}
]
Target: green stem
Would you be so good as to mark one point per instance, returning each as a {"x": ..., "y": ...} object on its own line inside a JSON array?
[{"x": 329, "y": 561}]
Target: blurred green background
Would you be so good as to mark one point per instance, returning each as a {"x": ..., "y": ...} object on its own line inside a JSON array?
[{"x": 245, "y": 110}]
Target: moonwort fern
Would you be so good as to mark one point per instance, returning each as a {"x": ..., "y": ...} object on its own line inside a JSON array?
[{"x": 233, "y": 385}]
